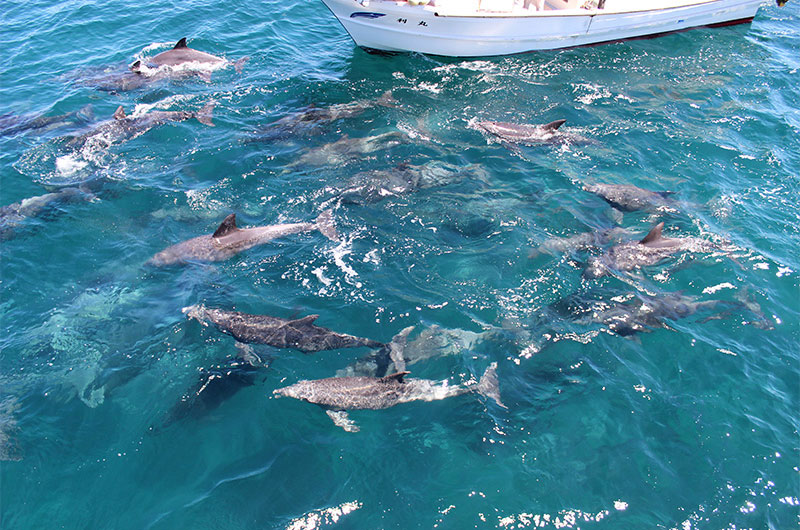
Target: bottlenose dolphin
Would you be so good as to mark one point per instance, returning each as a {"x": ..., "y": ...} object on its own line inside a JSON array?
[
  {"x": 630, "y": 198},
  {"x": 338, "y": 394},
  {"x": 127, "y": 79},
  {"x": 11, "y": 124},
  {"x": 581, "y": 241},
  {"x": 228, "y": 240},
  {"x": 14, "y": 214},
  {"x": 304, "y": 121},
  {"x": 373, "y": 186},
  {"x": 182, "y": 55},
  {"x": 215, "y": 385},
  {"x": 649, "y": 251},
  {"x": 642, "y": 314},
  {"x": 299, "y": 334},
  {"x": 122, "y": 128},
  {"x": 347, "y": 149},
  {"x": 431, "y": 342},
  {"x": 526, "y": 134}
]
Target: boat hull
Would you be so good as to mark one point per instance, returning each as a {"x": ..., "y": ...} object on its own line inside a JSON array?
[{"x": 392, "y": 27}]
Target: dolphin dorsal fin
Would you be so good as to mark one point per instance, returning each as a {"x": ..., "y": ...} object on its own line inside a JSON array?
[
  {"x": 306, "y": 320},
  {"x": 181, "y": 44},
  {"x": 394, "y": 377},
  {"x": 553, "y": 125},
  {"x": 119, "y": 114},
  {"x": 654, "y": 234},
  {"x": 228, "y": 226}
]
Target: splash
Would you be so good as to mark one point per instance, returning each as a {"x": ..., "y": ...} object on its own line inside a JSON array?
[{"x": 68, "y": 165}]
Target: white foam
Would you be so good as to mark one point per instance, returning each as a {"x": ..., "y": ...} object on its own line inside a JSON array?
[
  {"x": 143, "y": 108},
  {"x": 319, "y": 272},
  {"x": 156, "y": 46},
  {"x": 715, "y": 288},
  {"x": 68, "y": 165},
  {"x": 339, "y": 252},
  {"x": 317, "y": 518}
]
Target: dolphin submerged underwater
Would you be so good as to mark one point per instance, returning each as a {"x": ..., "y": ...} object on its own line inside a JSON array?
[
  {"x": 653, "y": 248},
  {"x": 11, "y": 124},
  {"x": 307, "y": 120},
  {"x": 300, "y": 334},
  {"x": 629, "y": 198},
  {"x": 122, "y": 127},
  {"x": 339, "y": 394}
]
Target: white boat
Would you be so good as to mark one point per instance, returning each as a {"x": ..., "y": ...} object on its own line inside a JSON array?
[{"x": 479, "y": 28}]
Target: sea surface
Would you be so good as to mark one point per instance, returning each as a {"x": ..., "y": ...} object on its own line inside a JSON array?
[{"x": 690, "y": 420}]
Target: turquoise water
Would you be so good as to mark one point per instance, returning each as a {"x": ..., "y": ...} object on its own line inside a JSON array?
[{"x": 690, "y": 426}]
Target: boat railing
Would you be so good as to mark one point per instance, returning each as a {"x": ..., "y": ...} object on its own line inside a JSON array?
[{"x": 510, "y": 6}]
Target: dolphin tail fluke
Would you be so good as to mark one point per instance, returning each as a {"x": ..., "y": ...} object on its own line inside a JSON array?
[
  {"x": 489, "y": 386},
  {"x": 239, "y": 65},
  {"x": 204, "y": 115},
  {"x": 747, "y": 301},
  {"x": 325, "y": 224},
  {"x": 395, "y": 349}
]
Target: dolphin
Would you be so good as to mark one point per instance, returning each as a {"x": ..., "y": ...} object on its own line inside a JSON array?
[
  {"x": 341, "y": 111},
  {"x": 11, "y": 124},
  {"x": 649, "y": 251},
  {"x": 347, "y": 149},
  {"x": 339, "y": 394},
  {"x": 643, "y": 314},
  {"x": 113, "y": 78},
  {"x": 15, "y": 214},
  {"x": 304, "y": 121},
  {"x": 431, "y": 342},
  {"x": 375, "y": 185},
  {"x": 122, "y": 128},
  {"x": 299, "y": 334},
  {"x": 631, "y": 198},
  {"x": 215, "y": 385},
  {"x": 581, "y": 241},
  {"x": 228, "y": 240},
  {"x": 182, "y": 55},
  {"x": 526, "y": 134},
  {"x": 127, "y": 79}
]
